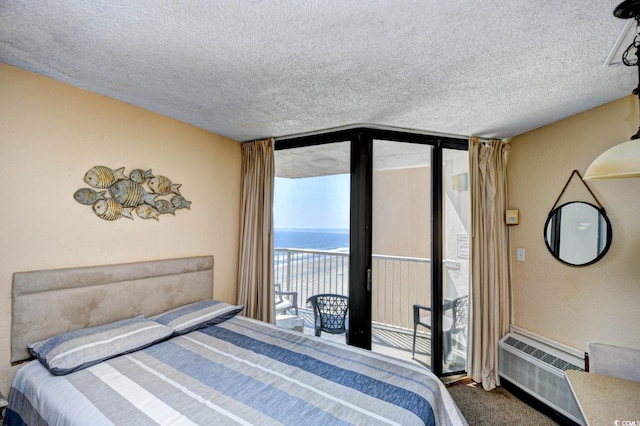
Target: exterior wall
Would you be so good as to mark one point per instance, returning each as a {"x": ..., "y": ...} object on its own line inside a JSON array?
[
  {"x": 51, "y": 134},
  {"x": 402, "y": 212},
  {"x": 574, "y": 305}
]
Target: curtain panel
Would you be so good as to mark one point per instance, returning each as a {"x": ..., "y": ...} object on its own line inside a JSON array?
[
  {"x": 490, "y": 281},
  {"x": 255, "y": 259}
]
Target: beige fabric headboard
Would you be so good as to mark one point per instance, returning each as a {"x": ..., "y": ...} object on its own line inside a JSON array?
[{"x": 50, "y": 302}]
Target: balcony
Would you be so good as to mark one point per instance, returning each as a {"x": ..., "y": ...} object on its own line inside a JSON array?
[{"x": 397, "y": 283}]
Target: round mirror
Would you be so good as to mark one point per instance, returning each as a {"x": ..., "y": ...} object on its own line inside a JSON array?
[{"x": 578, "y": 233}]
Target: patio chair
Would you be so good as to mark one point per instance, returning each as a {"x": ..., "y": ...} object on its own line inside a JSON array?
[
  {"x": 285, "y": 300},
  {"x": 452, "y": 324},
  {"x": 329, "y": 313}
]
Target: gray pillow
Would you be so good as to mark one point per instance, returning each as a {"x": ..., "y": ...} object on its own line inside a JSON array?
[
  {"x": 198, "y": 315},
  {"x": 78, "y": 349}
]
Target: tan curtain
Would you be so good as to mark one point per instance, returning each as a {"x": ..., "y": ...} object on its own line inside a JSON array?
[
  {"x": 255, "y": 263},
  {"x": 490, "y": 302}
]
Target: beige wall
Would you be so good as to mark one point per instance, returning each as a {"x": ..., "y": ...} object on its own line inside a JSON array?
[
  {"x": 51, "y": 134},
  {"x": 600, "y": 302}
]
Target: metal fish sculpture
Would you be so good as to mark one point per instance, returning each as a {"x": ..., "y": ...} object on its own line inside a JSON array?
[
  {"x": 179, "y": 202},
  {"x": 140, "y": 176},
  {"x": 162, "y": 185},
  {"x": 145, "y": 211},
  {"x": 108, "y": 209},
  {"x": 88, "y": 196},
  {"x": 130, "y": 194},
  {"x": 164, "y": 206},
  {"x": 150, "y": 196},
  {"x": 103, "y": 177}
]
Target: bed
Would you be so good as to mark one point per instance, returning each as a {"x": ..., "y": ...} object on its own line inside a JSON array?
[{"x": 201, "y": 363}]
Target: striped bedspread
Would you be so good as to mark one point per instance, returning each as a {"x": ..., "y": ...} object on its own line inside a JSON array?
[{"x": 239, "y": 372}]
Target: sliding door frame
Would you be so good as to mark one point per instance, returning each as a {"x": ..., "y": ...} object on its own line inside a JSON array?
[{"x": 361, "y": 139}]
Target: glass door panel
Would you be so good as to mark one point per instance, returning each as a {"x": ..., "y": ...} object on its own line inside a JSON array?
[
  {"x": 456, "y": 244},
  {"x": 401, "y": 247},
  {"x": 311, "y": 230}
]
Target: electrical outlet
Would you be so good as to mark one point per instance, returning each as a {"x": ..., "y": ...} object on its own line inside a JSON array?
[{"x": 520, "y": 254}]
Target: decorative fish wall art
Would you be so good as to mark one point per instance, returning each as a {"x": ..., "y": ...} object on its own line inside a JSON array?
[{"x": 129, "y": 194}]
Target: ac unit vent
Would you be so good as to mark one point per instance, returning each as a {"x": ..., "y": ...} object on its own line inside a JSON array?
[
  {"x": 541, "y": 355},
  {"x": 538, "y": 369}
]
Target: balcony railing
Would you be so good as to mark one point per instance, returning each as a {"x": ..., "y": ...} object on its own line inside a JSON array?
[{"x": 397, "y": 282}]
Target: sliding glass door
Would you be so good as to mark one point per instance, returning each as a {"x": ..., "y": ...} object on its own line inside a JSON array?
[
  {"x": 456, "y": 221},
  {"x": 401, "y": 246},
  {"x": 407, "y": 231},
  {"x": 420, "y": 252}
]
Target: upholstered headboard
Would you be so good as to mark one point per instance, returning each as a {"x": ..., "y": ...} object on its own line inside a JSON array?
[{"x": 50, "y": 302}]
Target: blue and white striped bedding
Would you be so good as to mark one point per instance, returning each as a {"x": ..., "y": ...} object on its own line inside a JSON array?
[{"x": 239, "y": 372}]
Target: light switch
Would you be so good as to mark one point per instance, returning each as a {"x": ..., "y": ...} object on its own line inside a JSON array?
[{"x": 520, "y": 254}]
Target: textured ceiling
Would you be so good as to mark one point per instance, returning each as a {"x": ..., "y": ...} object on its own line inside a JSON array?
[{"x": 251, "y": 69}]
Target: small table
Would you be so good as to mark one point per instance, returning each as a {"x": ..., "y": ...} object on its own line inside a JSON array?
[
  {"x": 290, "y": 322},
  {"x": 605, "y": 400}
]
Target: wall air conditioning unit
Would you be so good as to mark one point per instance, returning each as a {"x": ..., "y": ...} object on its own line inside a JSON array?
[{"x": 537, "y": 365}]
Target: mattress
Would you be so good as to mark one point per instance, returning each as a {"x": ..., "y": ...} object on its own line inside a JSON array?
[{"x": 239, "y": 372}]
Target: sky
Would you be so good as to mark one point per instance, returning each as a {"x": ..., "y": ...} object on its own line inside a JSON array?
[{"x": 314, "y": 202}]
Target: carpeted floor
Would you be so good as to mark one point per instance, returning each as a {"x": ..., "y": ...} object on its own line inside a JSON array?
[{"x": 494, "y": 408}]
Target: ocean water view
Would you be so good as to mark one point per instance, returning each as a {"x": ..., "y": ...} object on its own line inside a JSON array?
[
  {"x": 312, "y": 239},
  {"x": 311, "y": 261}
]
